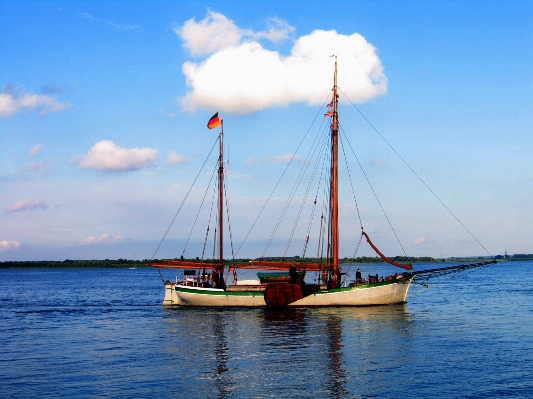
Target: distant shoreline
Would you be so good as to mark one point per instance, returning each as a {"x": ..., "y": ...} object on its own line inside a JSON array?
[{"x": 125, "y": 263}]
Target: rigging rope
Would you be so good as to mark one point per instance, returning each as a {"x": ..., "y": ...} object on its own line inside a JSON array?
[
  {"x": 205, "y": 242},
  {"x": 229, "y": 220},
  {"x": 425, "y": 275},
  {"x": 199, "y": 210},
  {"x": 320, "y": 253},
  {"x": 416, "y": 174},
  {"x": 304, "y": 200},
  {"x": 183, "y": 202},
  {"x": 358, "y": 245},
  {"x": 311, "y": 219},
  {"x": 351, "y": 183},
  {"x": 375, "y": 195},
  {"x": 209, "y": 221},
  {"x": 326, "y": 213},
  {"x": 287, "y": 204},
  {"x": 281, "y": 177}
]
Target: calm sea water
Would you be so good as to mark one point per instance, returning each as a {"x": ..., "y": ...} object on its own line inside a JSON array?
[{"x": 103, "y": 333}]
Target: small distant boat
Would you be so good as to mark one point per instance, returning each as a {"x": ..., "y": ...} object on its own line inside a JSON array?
[
  {"x": 134, "y": 260},
  {"x": 282, "y": 283}
]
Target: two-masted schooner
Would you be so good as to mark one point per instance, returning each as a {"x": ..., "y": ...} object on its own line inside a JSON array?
[{"x": 282, "y": 283}]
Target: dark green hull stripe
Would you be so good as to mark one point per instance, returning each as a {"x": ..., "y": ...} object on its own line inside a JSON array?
[{"x": 227, "y": 293}]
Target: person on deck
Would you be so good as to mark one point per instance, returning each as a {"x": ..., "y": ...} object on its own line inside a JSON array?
[
  {"x": 216, "y": 279},
  {"x": 358, "y": 276},
  {"x": 293, "y": 275}
]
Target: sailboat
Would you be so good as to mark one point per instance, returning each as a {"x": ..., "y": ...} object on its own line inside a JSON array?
[
  {"x": 282, "y": 282},
  {"x": 134, "y": 266}
]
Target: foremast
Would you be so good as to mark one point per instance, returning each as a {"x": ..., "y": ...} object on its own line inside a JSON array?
[{"x": 220, "y": 268}]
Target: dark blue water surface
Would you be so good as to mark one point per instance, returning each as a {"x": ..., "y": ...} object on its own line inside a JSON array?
[{"x": 103, "y": 333}]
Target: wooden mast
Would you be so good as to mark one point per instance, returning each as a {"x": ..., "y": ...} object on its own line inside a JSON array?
[
  {"x": 220, "y": 200},
  {"x": 334, "y": 217}
]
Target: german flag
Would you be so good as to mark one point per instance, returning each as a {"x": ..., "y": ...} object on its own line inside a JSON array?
[{"x": 214, "y": 121}]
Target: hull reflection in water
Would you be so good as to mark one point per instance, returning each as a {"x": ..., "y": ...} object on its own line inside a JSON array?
[{"x": 244, "y": 352}]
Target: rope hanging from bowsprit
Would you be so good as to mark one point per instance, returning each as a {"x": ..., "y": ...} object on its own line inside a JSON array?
[{"x": 406, "y": 266}]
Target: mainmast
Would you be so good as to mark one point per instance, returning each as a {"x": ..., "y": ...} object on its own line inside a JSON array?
[{"x": 334, "y": 211}]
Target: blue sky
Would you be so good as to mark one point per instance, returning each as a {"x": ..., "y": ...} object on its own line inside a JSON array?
[{"x": 104, "y": 105}]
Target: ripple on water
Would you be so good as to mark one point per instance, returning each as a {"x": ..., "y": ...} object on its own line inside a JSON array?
[{"x": 464, "y": 337}]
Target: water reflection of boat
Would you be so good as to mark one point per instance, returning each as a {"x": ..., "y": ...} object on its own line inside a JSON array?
[{"x": 332, "y": 352}]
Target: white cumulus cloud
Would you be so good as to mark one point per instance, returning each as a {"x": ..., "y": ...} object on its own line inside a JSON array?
[
  {"x": 7, "y": 245},
  {"x": 174, "y": 158},
  {"x": 104, "y": 238},
  {"x": 106, "y": 155},
  {"x": 13, "y": 101},
  {"x": 27, "y": 204},
  {"x": 240, "y": 76}
]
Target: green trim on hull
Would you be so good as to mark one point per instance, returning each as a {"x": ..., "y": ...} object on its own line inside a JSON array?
[{"x": 221, "y": 292}]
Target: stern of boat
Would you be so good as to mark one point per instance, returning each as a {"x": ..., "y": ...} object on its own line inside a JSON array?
[{"x": 171, "y": 298}]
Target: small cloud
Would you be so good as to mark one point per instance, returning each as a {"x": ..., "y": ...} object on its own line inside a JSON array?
[
  {"x": 214, "y": 33},
  {"x": 284, "y": 158},
  {"x": 38, "y": 167},
  {"x": 104, "y": 238},
  {"x": 14, "y": 100},
  {"x": 27, "y": 205},
  {"x": 277, "y": 32},
  {"x": 106, "y": 155},
  {"x": 239, "y": 176},
  {"x": 41, "y": 166},
  {"x": 420, "y": 240},
  {"x": 174, "y": 158},
  {"x": 377, "y": 162},
  {"x": 35, "y": 150},
  {"x": 252, "y": 161},
  {"x": 123, "y": 27},
  {"x": 169, "y": 114},
  {"x": 6, "y": 245},
  {"x": 51, "y": 89},
  {"x": 85, "y": 15}
]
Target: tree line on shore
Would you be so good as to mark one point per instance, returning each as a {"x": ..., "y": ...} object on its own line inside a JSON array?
[{"x": 118, "y": 263}]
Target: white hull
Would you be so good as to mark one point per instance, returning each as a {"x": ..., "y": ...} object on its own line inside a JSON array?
[{"x": 366, "y": 295}]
